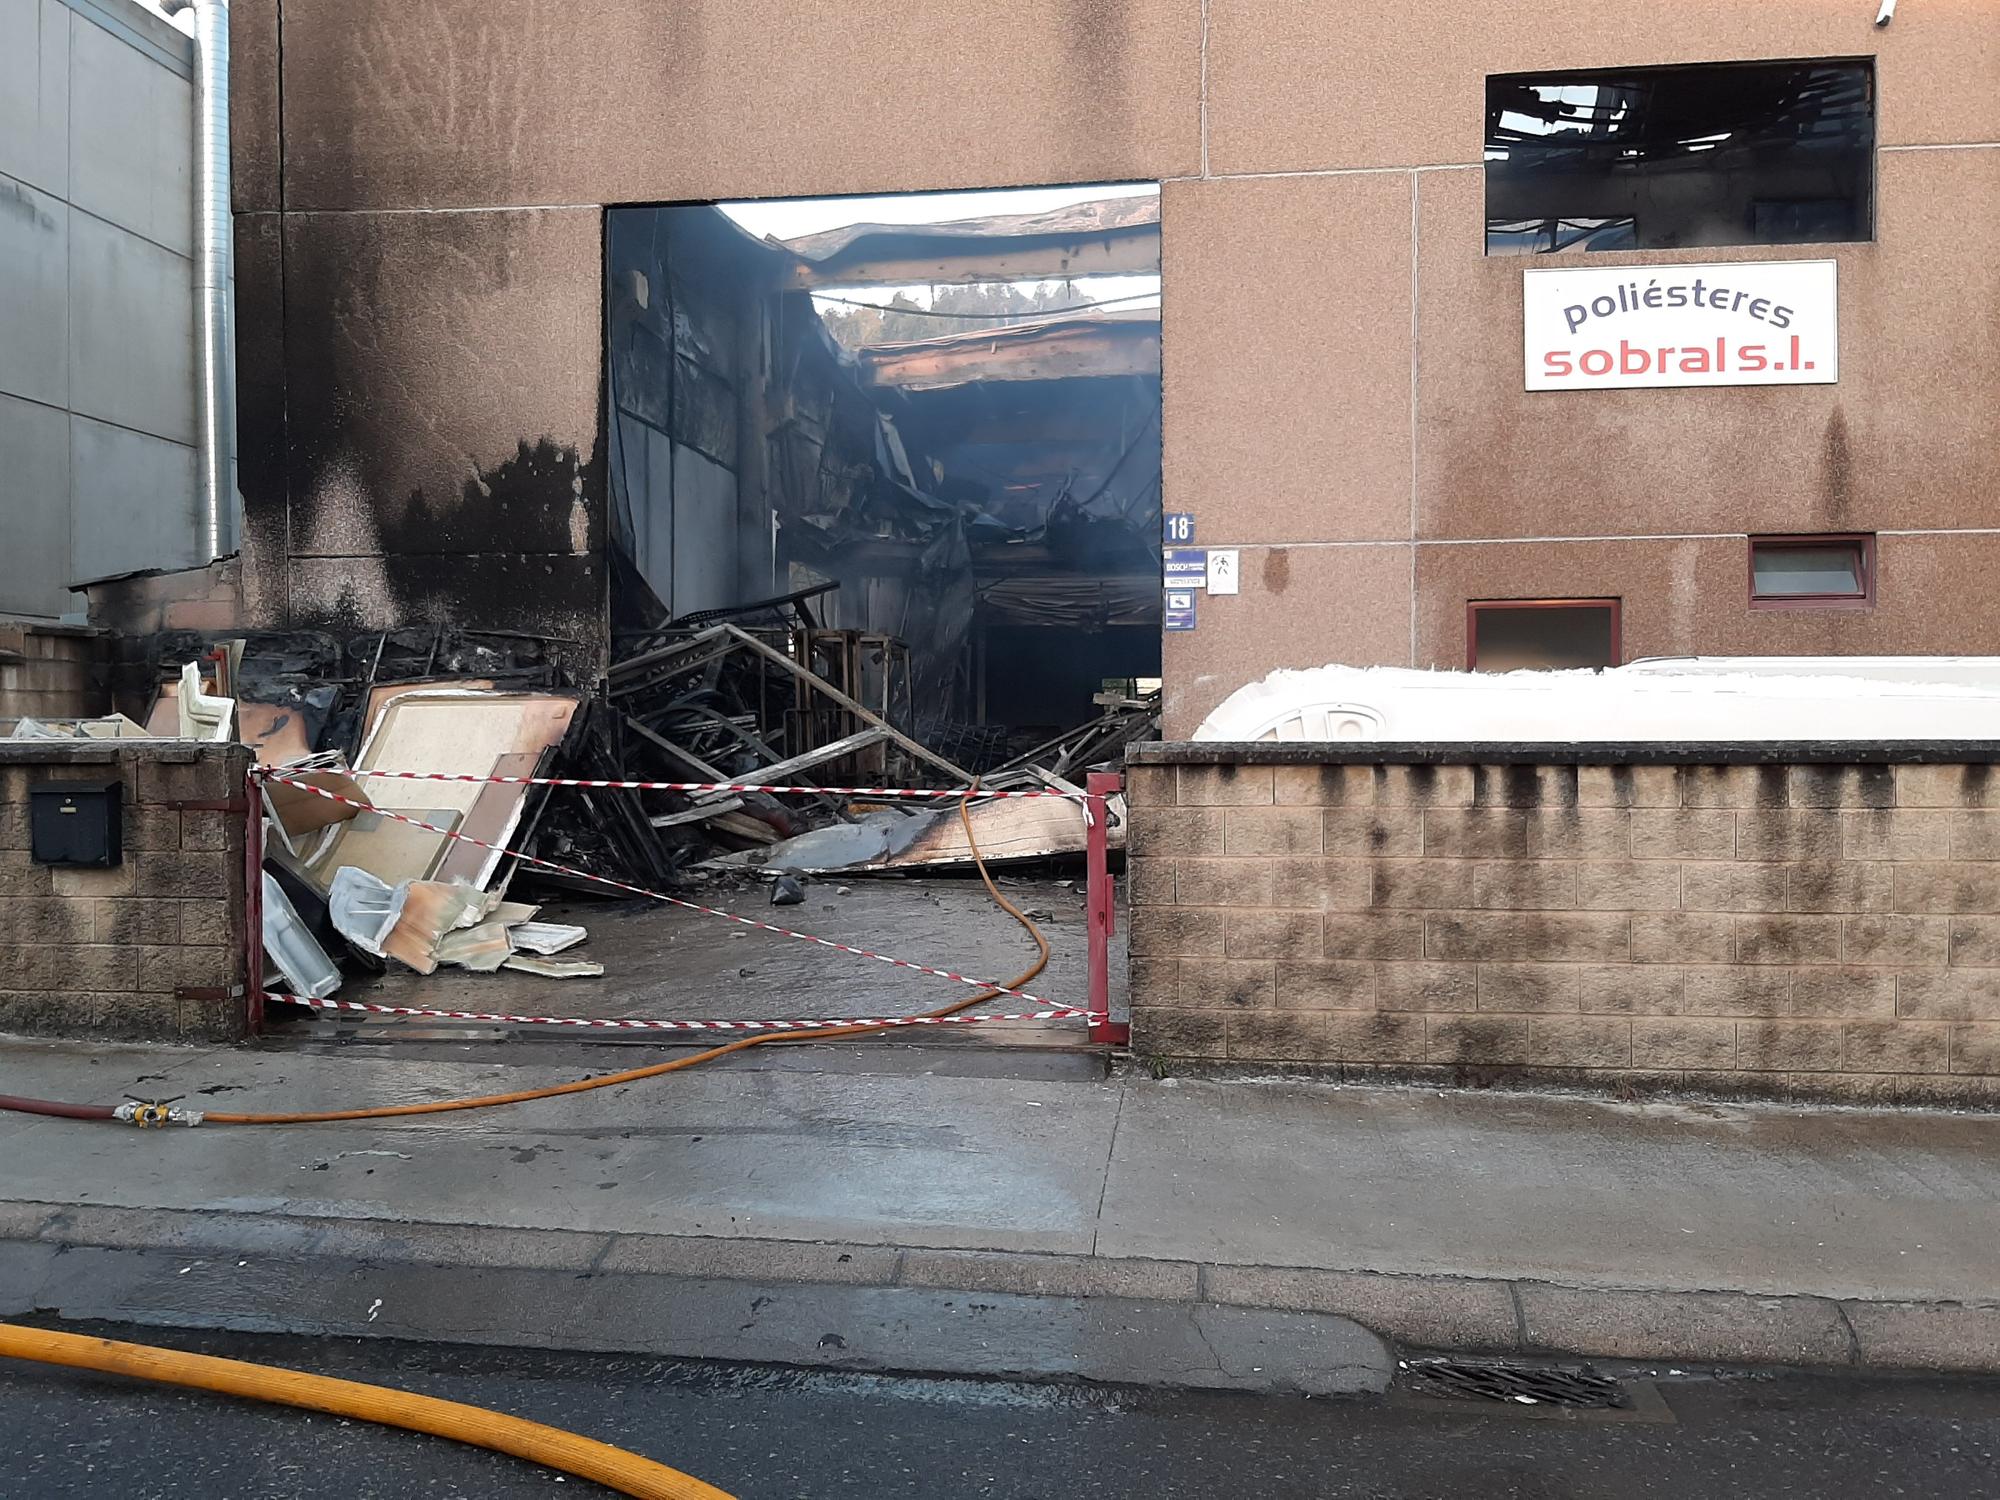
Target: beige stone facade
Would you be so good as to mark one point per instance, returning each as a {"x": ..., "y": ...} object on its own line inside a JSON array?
[
  {"x": 153, "y": 947},
  {"x": 1818, "y": 929},
  {"x": 1342, "y": 360}
]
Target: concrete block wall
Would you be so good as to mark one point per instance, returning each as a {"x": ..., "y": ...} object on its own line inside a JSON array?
[
  {"x": 54, "y": 671},
  {"x": 115, "y": 952},
  {"x": 1811, "y": 928}
]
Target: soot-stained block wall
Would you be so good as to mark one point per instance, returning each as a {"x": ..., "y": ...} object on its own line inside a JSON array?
[
  {"x": 1606, "y": 920},
  {"x": 440, "y": 454}
]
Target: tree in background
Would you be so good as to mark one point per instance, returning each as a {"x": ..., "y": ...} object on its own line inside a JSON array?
[{"x": 996, "y": 304}]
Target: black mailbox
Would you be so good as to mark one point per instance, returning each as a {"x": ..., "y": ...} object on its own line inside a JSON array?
[{"x": 76, "y": 822}]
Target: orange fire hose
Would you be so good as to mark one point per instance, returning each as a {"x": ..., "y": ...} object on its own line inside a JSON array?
[
  {"x": 617, "y": 1469},
  {"x": 655, "y": 1070},
  {"x": 552, "y": 1447}
]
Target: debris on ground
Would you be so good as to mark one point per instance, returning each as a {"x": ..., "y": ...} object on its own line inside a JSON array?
[
  {"x": 1008, "y": 831},
  {"x": 760, "y": 695},
  {"x": 292, "y": 946},
  {"x": 555, "y": 968},
  {"x": 544, "y": 937},
  {"x": 1127, "y": 718},
  {"x": 422, "y": 924},
  {"x": 111, "y": 727}
]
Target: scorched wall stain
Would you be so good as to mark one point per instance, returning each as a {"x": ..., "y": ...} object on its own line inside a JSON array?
[{"x": 443, "y": 455}]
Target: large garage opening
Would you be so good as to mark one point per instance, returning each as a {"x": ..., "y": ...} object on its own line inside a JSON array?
[{"x": 914, "y": 441}]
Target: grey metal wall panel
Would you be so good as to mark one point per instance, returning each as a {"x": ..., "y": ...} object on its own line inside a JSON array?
[
  {"x": 131, "y": 128},
  {"x": 147, "y": 32},
  {"x": 34, "y": 93},
  {"x": 34, "y": 508},
  {"x": 132, "y": 497},
  {"x": 656, "y": 519},
  {"x": 34, "y": 293},
  {"x": 704, "y": 536},
  {"x": 131, "y": 331},
  {"x": 96, "y": 301}
]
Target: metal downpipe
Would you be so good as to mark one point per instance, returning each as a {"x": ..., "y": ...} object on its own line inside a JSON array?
[{"x": 214, "y": 252}]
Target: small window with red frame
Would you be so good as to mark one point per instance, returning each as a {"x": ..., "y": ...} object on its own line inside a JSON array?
[{"x": 1812, "y": 572}]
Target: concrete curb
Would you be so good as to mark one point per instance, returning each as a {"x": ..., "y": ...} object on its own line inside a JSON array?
[{"x": 1436, "y": 1312}]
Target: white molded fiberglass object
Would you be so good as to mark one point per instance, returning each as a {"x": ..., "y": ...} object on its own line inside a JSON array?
[
  {"x": 203, "y": 717},
  {"x": 1688, "y": 698}
]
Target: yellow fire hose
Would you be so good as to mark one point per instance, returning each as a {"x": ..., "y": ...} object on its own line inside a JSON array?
[{"x": 614, "y": 1468}]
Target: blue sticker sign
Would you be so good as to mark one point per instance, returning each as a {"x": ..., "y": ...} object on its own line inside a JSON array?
[
  {"x": 1186, "y": 568},
  {"x": 1180, "y": 609},
  {"x": 1176, "y": 526}
]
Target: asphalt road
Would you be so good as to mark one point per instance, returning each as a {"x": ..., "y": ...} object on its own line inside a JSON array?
[{"x": 764, "y": 1434}]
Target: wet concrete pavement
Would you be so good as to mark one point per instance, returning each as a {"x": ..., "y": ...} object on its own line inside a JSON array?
[
  {"x": 672, "y": 963},
  {"x": 1579, "y": 1192},
  {"x": 762, "y": 1433},
  {"x": 997, "y": 1163},
  {"x": 1726, "y": 1232},
  {"x": 883, "y": 1174},
  {"x": 1760, "y": 1199}
]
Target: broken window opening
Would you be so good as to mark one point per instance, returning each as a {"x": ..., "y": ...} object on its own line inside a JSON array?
[
  {"x": 1778, "y": 153},
  {"x": 1507, "y": 635},
  {"x": 936, "y": 415}
]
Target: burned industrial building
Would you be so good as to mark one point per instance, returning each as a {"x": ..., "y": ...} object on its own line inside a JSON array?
[
  {"x": 875, "y": 505},
  {"x": 974, "y": 513},
  {"x": 562, "y": 392}
]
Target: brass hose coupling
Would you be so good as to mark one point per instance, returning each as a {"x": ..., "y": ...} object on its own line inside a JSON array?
[{"x": 149, "y": 1113}]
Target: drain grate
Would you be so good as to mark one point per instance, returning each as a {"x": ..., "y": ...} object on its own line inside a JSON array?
[{"x": 1527, "y": 1385}]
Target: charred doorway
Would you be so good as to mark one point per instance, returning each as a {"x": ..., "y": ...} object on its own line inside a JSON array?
[{"x": 935, "y": 417}]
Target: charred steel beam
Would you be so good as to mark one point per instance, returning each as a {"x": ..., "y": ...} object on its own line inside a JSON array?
[
  {"x": 1120, "y": 252},
  {"x": 1058, "y": 352}
]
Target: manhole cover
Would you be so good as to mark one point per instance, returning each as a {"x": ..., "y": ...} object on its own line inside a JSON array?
[{"x": 1523, "y": 1385}]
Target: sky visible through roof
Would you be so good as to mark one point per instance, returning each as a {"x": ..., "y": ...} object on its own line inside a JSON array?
[{"x": 789, "y": 218}]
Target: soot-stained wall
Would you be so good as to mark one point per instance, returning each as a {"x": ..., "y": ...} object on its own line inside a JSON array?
[
  {"x": 420, "y": 195},
  {"x": 438, "y": 375},
  {"x": 419, "y": 191}
]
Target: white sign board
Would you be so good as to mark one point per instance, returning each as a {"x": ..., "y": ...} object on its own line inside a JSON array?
[
  {"x": 1746, "y": 323},
  {"x": 1222, "y": 571}
]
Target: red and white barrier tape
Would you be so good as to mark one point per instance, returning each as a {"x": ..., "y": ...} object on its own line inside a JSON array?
[
  {"x": 956, "y": 793},
  {"x": 639, "y": 890},
  {"x": 613, "y": 1024}
]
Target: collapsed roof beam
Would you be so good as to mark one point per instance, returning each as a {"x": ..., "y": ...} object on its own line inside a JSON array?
[
  {"x": 1049, "y": 351},
  {"x": 943, "y": 262},
  {"x": 1100, "y": 236}
]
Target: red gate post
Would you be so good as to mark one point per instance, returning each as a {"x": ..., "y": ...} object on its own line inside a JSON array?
[
  {"x": 253, "y": 900},
  {"x": 1101, "y": 904}
]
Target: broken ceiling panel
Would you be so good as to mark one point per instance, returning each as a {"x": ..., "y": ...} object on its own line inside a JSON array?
[
  {"x": 452, "y": 732},
  {"x": 1099, "y": 343},
  {"x": 1106, "y": 236}
]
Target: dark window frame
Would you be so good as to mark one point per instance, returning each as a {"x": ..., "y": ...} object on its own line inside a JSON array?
[
  {"x": 1474, "y": 606},
  {"x": 1862, "y": 541},
  {"x": 1868, "y": 230}
]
